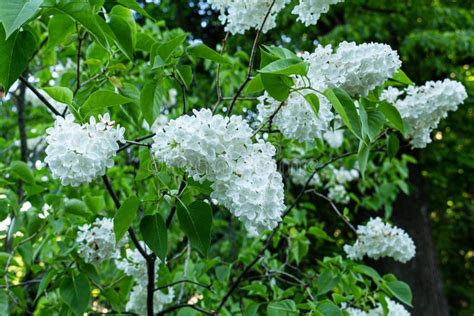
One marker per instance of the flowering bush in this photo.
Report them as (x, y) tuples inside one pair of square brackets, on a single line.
[(131, 212)]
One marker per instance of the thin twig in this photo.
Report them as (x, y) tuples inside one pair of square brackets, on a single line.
[(207, 287), (269, 120), (179, 306), (185, 273), (218, 76), (334, 207), (40, 96), (78, 61), (129, 144), (169, 219)]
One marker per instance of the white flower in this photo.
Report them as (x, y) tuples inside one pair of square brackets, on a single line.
[(134, 265), (79, 153), (343, 175), (238, 16), (334, 138), (423, 107), (357, 69), (300, 176), (137, 302), (309, 11), (377, 240), (219, 149), (338, 194), (97, 241), (394, 309)]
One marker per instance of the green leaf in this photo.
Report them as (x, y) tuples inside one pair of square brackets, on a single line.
[(95, 203), (150, 101), (185, 73), (14, 13), (3, 302), (76, 207), (344, 105), (372, 122), (153, 229), (124, 217), (401, 77), (21, 170), (132, 4), (45, 280), (123, 26), (401, 291), (393, 145), (60, 94), (280, 52), (363, 157), (313, 100), (255, 85), (196, 220), (326, 282), (328, 308), (15, 54), (100, 100), (290, 66), (392, 114), (200, 50), (166, 49), (277, 86), (282, 308), (319, 233), (368, 271), (75, 292), (60, 26)]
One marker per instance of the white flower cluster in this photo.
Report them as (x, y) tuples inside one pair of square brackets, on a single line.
[(244, 174), (300, 176), (377, 239), (238, 16), (423, 107), (338, 194), (79, 153), (334, 138), (134, 265), (309, 11), (296, 119), (97, 241), (137, 301), (357, 69), (394, 309)]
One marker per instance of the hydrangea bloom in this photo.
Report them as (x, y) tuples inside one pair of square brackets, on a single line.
[(220, 149), (423, 107), (377, 239), (238, 16), (97, 241), (394, 309), (309, 11), (134, 265), (357, 69), (296, 119), (138, 299), (79, 153)]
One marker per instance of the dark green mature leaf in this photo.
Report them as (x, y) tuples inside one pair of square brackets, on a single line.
[(153, 229), (372, 122), (255, 85), (200, 50), (290, 66), (76, 207), (277, 86), (150, 101), (166, 49), (45, 280), (14, 55), (344, 105), (60, 26), (14, 13), (21, 170), (75, 292), (328, 308), (392, 114), (185, 73), (123, 26), (3, 302), (401, 291), (124, 217), (366, 270), (393, 145), (326, 282), (196, 220), (363, 157), (313, 100), (102, 99), (60, 94), (282, 308)]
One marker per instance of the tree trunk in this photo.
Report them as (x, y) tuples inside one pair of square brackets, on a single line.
[(423, 272)]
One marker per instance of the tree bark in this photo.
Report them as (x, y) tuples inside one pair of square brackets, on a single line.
[(423, 272)]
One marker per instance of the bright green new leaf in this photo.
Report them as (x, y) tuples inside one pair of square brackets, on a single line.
[(280, 52), (328, 308), (344, 105), (150, 101), (392, 114), (185, 74), (75, 292), (326, 282), (3, 302), (76, 207), (277, 86), (124, 217), (195, 220), (45, 280), (14, 13), (166, 49), (363, 156), (255, 85), (60, 94), (200, 50), (60, 26), (21, 170), (401, 77), (290, 66), (368, 271), (313, 100), (132, 4), (153, 229), (282, 308), (124, 33), (401, 291), (102, 99)]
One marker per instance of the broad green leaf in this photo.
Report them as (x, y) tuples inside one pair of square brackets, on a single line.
[(326, 282), (21, 170), (95, 203), (3, 302), (401, 291), (166, 49), (132, 4), (372, 122), (344, 105), (368, 271), (75, 292), (313, 100), (15, 54), (123, 26), (282, 308), (76, 207), (150, 101), (185, 73), (45, 280), (60, 94), (195, 220), (124, 217), (255, 85), (60, 26), (401, 77), (200, 50), (102, 99), (266, 58), (392, 114), (153, 229), (291, 66), (277, 86), (363, 157), (319, 233), (144, 42), (280, 52), (393, 145), (14, 13), (328, 308)]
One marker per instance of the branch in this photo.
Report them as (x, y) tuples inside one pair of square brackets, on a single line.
[(207, 287), (150, 263), (129, 144), (336, 210), (179, 306), (40, 96), (252, 59), (169, 219), (218, 76)]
